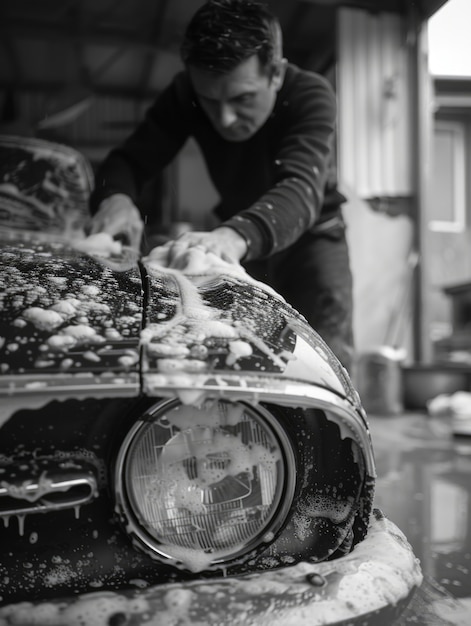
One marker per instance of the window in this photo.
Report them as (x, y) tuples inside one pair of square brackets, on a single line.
[(447, 204)]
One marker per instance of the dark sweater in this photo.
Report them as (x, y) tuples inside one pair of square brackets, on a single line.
[(271, 186)]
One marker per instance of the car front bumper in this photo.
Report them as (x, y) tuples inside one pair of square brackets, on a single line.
[(371, 585)]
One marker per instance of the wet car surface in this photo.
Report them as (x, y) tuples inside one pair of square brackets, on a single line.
[(179, 447)]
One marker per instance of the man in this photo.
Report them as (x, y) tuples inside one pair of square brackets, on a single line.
[(266, 131)]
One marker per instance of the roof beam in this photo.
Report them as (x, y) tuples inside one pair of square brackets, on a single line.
[(57, 87), (425, 8), (396, 6), (100, 36)]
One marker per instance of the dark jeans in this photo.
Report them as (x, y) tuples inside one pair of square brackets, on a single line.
[(314, 276)]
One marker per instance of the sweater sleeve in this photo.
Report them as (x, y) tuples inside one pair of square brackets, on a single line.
[(153, 145), (301, 164)]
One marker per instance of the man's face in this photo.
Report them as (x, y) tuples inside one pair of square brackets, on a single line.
[(237, 103)]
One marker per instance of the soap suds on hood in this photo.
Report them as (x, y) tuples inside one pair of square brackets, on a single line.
[(99, 244), (179, 343)]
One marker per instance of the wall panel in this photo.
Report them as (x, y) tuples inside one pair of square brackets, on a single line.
[(375, 111)]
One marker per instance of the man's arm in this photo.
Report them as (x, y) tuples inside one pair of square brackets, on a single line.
[(122, 175), (290, 208)]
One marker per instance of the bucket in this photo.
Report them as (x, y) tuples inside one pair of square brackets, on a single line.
[(379, 380)]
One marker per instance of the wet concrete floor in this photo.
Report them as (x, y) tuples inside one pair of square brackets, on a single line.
[(424, 486)]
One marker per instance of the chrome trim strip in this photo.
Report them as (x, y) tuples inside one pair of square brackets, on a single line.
[(275, 390), (126, 384), (33, 495)]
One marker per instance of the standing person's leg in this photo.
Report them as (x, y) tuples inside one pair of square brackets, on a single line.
[(316, 279)]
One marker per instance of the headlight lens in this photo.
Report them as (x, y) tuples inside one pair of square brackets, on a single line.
[(216, 480)]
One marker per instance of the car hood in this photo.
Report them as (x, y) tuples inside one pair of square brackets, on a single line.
[(73, 316), (69, 319)]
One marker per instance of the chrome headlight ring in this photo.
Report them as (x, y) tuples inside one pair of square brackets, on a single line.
[(202, 487)]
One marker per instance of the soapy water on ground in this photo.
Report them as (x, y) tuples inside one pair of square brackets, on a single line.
[(434, 606)]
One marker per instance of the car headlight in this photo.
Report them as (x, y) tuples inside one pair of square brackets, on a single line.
[(202, 486)]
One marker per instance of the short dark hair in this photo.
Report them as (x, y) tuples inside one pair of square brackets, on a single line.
[(223, 33)]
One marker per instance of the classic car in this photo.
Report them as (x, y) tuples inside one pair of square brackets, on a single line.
[(176, 446)]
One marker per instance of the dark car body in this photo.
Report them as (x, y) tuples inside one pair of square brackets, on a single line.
[(178, 447)]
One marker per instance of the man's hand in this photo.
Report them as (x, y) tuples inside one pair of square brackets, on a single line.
[(223, 241), (118, 216)]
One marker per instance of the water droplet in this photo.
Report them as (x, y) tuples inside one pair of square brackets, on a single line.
[(316, 580)]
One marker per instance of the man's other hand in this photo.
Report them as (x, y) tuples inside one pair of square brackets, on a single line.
[(120, 218)]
